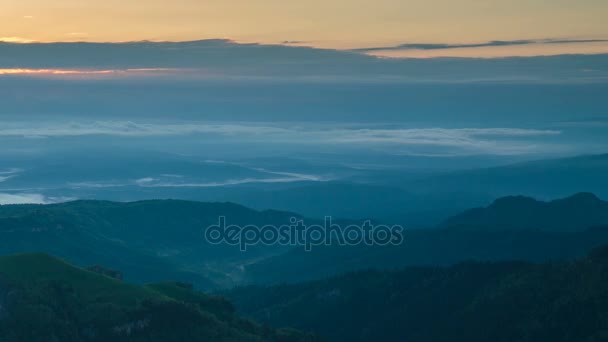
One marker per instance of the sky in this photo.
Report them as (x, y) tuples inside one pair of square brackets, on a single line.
[(257, 83), (336, 24)]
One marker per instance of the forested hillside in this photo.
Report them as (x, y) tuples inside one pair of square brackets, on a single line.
[(45, 299), (506, 301)]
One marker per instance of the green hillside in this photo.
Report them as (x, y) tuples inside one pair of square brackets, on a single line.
[(43, 298), (31, 270)]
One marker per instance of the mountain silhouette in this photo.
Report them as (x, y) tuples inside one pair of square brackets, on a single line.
[(575, 213)]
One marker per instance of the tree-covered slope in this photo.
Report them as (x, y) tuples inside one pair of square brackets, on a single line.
[(508, 301), (45, 299)]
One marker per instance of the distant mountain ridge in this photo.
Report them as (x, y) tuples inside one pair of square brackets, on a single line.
[(550, 178), (146, 240), (154, 240), (575, 213), (511, 228), (427, 200)]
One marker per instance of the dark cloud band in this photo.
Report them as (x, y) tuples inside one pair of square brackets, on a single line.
[(423, 46)]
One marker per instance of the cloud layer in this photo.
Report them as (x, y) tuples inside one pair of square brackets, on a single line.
[(440, 46), (466, 140), (28, 198), (227, 60)]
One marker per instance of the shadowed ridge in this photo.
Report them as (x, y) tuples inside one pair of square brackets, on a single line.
[(581, 198), (44, 298), (578, 212)]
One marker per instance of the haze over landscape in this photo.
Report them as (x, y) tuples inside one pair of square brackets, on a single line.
[(128, 130)]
